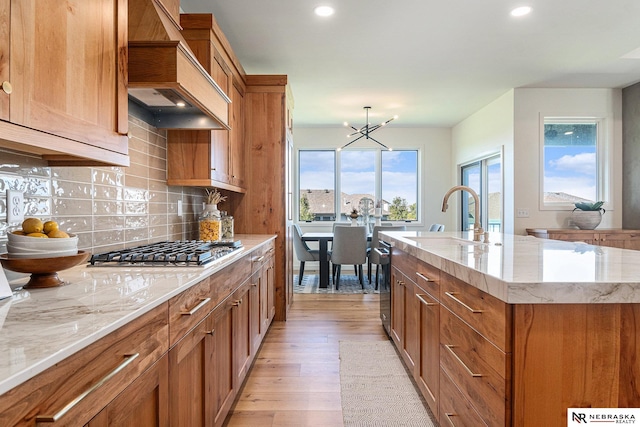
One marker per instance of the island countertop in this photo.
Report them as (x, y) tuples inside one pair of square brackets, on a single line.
[(529, 270), (41, 327)]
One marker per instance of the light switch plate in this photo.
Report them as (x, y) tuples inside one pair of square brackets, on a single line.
[(15, 206)]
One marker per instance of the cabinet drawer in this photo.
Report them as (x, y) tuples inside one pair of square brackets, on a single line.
[(427, 277), (455, 410), (477, 367), (404, 262), (261, 255), (485, 313), (91, 378), (227, 280), (188, 309)]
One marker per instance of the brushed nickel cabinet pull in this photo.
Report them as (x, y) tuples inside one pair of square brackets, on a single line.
[(453, 297), (191, 312), (260, 259), (237, 302), (211, 332), (449, 415), (7, 88), (62, 412), (424, 277), (424, 301), (473, 374)]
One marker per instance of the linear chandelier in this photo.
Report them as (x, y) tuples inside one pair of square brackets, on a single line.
[(366, 131)]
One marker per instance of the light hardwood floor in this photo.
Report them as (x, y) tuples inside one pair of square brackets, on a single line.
[(295, 380)]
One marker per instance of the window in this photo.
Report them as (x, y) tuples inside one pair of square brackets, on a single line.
[(317, 180), (485, 177), (400, 184), (571, 162), (366, 178)]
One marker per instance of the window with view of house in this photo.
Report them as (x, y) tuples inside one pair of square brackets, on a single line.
[(366, 179), (317, 180), (571, 162)]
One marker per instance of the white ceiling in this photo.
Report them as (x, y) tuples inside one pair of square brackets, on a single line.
[(433, 63)]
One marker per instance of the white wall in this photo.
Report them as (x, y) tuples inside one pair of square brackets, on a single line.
[(531, 105), (512, 123), (488, 131)]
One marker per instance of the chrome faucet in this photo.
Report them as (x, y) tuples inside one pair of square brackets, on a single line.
[(477, 227)]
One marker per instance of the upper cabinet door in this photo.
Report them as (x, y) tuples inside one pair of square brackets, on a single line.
[(5, 46), (67, 69)]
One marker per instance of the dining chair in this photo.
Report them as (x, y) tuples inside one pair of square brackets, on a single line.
[(436, 227), (341, 224), (349, 248), (374, 257), (303, 252)]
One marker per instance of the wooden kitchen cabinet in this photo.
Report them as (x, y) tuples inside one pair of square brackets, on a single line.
[(143, 403), (66, 66), (404, 323), (225, 386), (191, 382), (475, 349), (109, 367), (180, 364), (615, 238), (428, 334), (241, 314), (505, 364), (263, 209), (211, 158), (415, 321)]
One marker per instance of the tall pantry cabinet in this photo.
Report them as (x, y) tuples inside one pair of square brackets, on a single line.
[(265, 208)]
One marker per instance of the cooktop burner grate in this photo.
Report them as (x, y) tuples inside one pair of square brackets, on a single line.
[(178, 253)]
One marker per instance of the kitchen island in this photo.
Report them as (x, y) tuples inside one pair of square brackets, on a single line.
[(515, 331), (117, 339)]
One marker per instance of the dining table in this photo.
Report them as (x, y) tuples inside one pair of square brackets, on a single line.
[(323, 239)]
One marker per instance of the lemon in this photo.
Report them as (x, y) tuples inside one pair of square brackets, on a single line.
[(18, 232), (32, 225), (40, 235), (49, 226), (57, 234)]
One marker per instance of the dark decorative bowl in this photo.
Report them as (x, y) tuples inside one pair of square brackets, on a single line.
[(44, 271)]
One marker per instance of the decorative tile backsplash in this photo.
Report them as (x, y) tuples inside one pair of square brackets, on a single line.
[(107, 207)]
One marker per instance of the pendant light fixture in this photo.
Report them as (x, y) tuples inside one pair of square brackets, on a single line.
[(366, 131)]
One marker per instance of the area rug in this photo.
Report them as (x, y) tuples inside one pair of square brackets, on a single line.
[(349, 284), (376, 388)]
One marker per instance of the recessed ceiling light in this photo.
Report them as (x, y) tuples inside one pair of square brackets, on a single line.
[(521, 11), (324, 10)]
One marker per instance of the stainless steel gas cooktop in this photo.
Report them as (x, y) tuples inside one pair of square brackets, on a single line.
[(190, 253)]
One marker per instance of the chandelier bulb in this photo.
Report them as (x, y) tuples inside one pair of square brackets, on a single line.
[(346, 124)]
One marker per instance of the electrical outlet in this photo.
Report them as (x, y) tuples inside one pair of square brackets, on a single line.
[(522, 213), (179, 208), (15, 206)]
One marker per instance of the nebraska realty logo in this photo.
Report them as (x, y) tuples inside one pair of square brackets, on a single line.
[(602, 416)]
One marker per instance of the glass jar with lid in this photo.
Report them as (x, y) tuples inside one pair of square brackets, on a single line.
[(227, 226), (210, 223)]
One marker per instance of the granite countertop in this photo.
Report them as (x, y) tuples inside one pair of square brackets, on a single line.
[(529, 270), (41, 327)]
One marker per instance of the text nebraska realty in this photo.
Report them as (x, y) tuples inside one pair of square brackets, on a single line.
[(610, 418)]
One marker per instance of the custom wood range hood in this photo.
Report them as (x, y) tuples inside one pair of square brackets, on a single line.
[(165, 78)]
